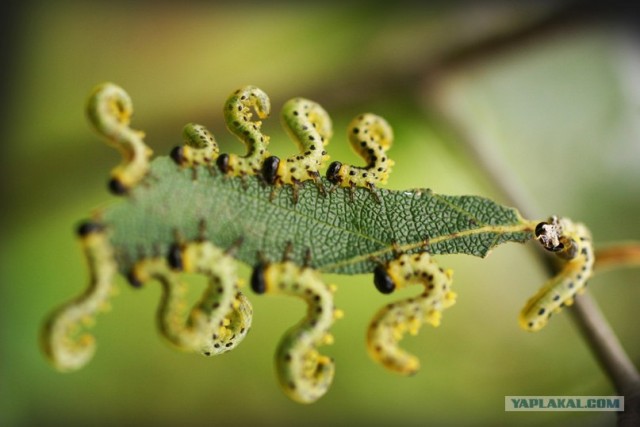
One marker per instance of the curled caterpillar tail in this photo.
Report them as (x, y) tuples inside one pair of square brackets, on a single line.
[(304, 374), (572, 242), (370, 137), (109, 109), (309, 125), (65, 345), (392, 322), (200, 147), (237, 113)]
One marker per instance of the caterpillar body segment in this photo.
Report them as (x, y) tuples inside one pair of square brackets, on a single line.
[(571, 242), (109, 109), (393, 321), (64, 340), (304, 374), (238, 116), (199, 148), (170, 315), (370, 137), (309, 125)]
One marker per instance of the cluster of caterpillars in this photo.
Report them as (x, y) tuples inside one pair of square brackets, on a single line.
[(309, 126), (222, 317)]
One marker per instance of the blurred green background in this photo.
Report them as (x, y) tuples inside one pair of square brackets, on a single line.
[(552, 89)]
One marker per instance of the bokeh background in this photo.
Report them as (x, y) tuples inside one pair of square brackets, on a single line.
[(551, 89)]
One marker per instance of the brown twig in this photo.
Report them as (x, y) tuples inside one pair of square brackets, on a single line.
[(586, 314), (617, 255)]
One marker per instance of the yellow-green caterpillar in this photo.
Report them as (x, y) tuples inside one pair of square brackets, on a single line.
[(200, 147), (393, 321), (237, 113), (370, 137), (222, 317), (66, 345), (304, 374), (110, 109), (572, 242), (309, 126)]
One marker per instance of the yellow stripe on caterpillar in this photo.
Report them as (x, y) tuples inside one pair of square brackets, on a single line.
[(391, 323), (572, 242), (109, 109), (304, 374)]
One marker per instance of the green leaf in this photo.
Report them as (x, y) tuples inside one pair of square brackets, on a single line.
[(344, 233)]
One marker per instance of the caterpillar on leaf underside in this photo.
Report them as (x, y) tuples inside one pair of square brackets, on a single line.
[(287, 221)]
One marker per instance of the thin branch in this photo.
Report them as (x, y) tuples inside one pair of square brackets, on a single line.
[(586, 314)]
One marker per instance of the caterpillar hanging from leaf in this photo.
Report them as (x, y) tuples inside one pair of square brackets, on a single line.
[(391, 323), (110, 109), (304, 374), (203, 211)]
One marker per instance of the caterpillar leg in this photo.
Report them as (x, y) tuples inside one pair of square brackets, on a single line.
[(304, 374), (222, 317), (392, 322), (110, 109), (572, 242), (237, 112), (199, 148), (64, 342), (310, 127), (370, 137)]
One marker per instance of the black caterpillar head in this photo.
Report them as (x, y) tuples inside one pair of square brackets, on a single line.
[(270, 169), (177, 154), (549, 234), (383, 281), (117, 187), (258, 283), (333, 172)]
